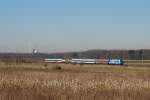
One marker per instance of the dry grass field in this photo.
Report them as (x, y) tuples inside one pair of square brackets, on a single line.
[(73, 82)]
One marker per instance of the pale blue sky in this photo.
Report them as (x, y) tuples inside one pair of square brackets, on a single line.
[(73, 25)]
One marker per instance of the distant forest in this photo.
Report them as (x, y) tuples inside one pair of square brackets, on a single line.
[(91, 54)]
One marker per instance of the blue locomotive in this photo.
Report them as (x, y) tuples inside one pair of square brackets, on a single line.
[(115, 61)]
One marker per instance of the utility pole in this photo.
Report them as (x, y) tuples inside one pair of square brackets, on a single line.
[(142, 56)]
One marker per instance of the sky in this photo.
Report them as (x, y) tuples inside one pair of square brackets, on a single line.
[(73, 25)]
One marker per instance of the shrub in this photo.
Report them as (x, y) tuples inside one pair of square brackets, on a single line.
[(58, 67)]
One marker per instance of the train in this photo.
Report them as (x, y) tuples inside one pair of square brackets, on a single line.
[(115, 62), (87, 61), (55, 60)]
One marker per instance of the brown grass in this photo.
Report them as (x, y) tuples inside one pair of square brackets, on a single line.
[(86, 82)]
